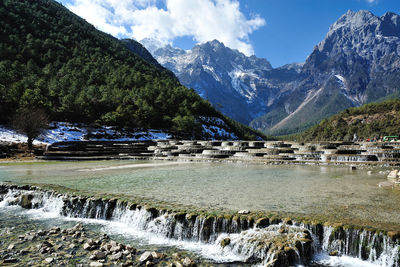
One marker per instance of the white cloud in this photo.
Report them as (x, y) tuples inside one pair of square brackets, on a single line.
[(204, 20), (372, 1)]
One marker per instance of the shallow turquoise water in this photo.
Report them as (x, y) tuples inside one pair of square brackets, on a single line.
[(298, 189)]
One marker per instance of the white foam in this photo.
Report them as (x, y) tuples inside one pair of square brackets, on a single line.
[(343, 261)]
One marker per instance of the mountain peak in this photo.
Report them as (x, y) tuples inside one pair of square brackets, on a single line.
[(353, 20), (152, 44)]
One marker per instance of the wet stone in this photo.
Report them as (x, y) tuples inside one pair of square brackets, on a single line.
[(146, 256), (157, 255), (115, 257), (187, 262), (98, 255), (49, 260), (10, 260)]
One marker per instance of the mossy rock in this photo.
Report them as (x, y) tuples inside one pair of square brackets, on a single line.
[(262, 222), (225, 242), (394, 235), (288, 221), (191, 216), (26, 201), (154, 212), (132, 206), (180, 216), (275, 220)]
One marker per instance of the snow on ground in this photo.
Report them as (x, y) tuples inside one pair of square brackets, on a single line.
[(216, 127), (63, 131)]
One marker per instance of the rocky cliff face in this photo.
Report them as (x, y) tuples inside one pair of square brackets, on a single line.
[(237, 85), (358, 62)]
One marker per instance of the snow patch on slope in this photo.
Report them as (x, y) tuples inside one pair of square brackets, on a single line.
[(237, 76), (355, 99), (216, 128), (64, 131)]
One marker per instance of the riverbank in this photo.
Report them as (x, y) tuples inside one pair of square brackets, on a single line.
[(31, 244)]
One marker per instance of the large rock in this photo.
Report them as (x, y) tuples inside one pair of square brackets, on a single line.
[(146, 256), (26, 201)]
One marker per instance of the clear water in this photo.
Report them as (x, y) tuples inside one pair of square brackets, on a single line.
[(335, 191)]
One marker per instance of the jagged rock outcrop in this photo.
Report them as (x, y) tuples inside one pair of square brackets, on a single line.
[(358, 62), (241, 87)]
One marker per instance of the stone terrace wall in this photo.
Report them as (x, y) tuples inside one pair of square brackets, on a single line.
[(376, 153)]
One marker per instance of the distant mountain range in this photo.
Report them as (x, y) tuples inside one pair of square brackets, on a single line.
[(358, 62)]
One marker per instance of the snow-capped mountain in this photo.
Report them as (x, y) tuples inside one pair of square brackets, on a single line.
[(236, 84), (357, 62)]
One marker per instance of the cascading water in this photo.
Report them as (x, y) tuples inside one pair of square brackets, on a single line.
[(228, 238)]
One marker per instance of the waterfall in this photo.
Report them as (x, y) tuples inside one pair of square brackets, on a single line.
[(370, 246), (262, 242)]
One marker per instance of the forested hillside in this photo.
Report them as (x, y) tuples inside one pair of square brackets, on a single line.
[(368, 121), (55, 60)]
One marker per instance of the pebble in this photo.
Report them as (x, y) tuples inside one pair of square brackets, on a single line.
[(10, 260), (98, 255), (116, 257), (96, 264), (156, 255), (243, 211), (187, 262), (49, 260)]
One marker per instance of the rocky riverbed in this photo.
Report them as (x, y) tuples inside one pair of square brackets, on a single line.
[(76, 246)]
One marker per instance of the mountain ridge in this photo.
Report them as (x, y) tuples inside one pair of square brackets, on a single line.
[(357, 62)]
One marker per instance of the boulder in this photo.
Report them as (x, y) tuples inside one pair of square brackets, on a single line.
[(225, 242), (146, 256), (26, 201)]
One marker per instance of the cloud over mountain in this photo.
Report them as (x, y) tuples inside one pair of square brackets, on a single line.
[(203, 20)]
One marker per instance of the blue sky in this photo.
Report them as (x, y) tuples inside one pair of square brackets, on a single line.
[(282, 31)]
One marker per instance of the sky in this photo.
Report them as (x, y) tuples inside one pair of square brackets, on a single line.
[(282, 31)]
